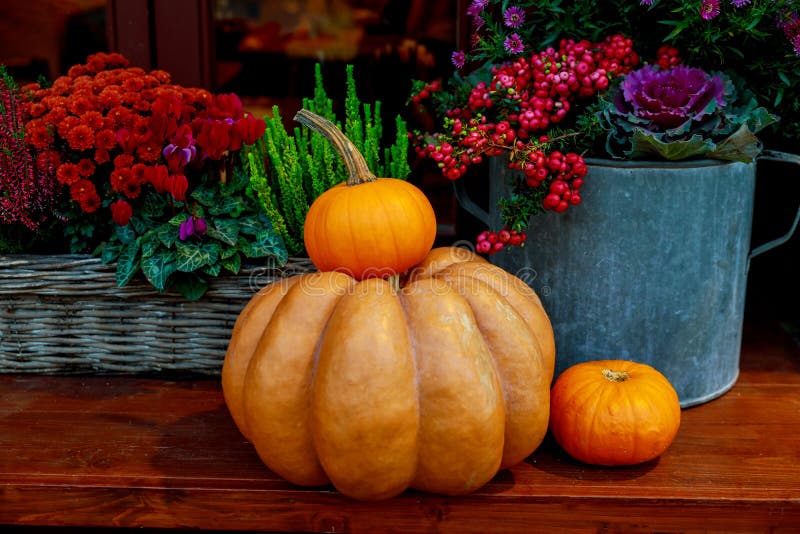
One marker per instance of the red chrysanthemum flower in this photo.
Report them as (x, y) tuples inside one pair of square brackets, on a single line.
[(86, 167), (160, 75), (109, 98), (80, 105), (121, 116), (36, 109), (105, 139), (90, 203), (123, 161), (133, 85), (132, 189), (81, 137), (76, 70), (38, 134), (66, 125), (119, 179), (68, 174), (101, 156), (148, 150), (55, 115), (93, 119)]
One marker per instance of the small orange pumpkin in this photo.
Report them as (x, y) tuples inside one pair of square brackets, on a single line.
[(435, 385), (614, 412), (366, 226)]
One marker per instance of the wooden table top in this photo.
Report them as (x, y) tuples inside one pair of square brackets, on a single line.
[(141, 452)]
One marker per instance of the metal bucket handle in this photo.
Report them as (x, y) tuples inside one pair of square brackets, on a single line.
[(785, 157), (770, 155)]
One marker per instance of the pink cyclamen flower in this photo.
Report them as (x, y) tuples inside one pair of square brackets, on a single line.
[(709, 9), (513, 44), (514, 17), (458, 59)]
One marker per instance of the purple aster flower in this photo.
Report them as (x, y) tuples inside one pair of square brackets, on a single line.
[(709, 9), (791, 29), (478, 22), (514, 17), (513, 44), (646, 3), (740, 3), (458, 59), (476, 7)]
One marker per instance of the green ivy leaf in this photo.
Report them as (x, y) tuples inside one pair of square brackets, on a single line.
[(159, 267), (206, 195), (110, 252), (251, 224), (225, 205), (150, 243), (190, 257), (225, 230), (127, 263), (212, 270), (232, 263), (266, 243), (178, 219), (167, 234), (191, 287), (125, 234)]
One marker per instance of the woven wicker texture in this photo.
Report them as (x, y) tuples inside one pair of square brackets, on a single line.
[(66, 315)]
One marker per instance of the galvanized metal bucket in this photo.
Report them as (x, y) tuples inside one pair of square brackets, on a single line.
[(651, 267)]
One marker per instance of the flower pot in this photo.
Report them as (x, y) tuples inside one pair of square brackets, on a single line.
[(651, 267)]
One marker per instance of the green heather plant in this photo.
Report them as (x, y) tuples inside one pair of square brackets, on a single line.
[(289, 171)]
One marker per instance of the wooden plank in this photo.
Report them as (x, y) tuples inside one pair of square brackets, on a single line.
[(135, 452)]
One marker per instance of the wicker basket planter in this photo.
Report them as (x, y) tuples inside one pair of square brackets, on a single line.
[(66, 315)]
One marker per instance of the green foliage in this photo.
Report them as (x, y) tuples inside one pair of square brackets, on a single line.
[(288, 171), (237, 228)]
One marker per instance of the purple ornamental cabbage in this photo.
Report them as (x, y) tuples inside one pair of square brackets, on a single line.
[(682, 113), (668, 99)]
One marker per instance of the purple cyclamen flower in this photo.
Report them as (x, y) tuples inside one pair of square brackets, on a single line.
[(740, 3), (709, 9), (514, 17), (181, 155), (513, 44), (192, 226), (459, 59)]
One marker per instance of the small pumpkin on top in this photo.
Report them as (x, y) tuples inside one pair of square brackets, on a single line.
[(366, 226)]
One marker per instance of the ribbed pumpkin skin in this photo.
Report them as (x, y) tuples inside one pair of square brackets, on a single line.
[(605, 422), (370, 229), (433, 387)]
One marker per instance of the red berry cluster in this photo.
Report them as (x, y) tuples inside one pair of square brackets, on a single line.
[(425, 91), (668, 57), (491, 242), (564, 173), (521, 100)]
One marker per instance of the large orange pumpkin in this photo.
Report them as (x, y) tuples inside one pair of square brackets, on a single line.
[(614, 412), (434, 385), (366, 226)]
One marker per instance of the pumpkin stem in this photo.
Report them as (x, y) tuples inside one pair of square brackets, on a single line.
[(354, 162), (615, 376)]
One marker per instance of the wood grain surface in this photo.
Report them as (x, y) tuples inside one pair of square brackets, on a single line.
[(155, 453)]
